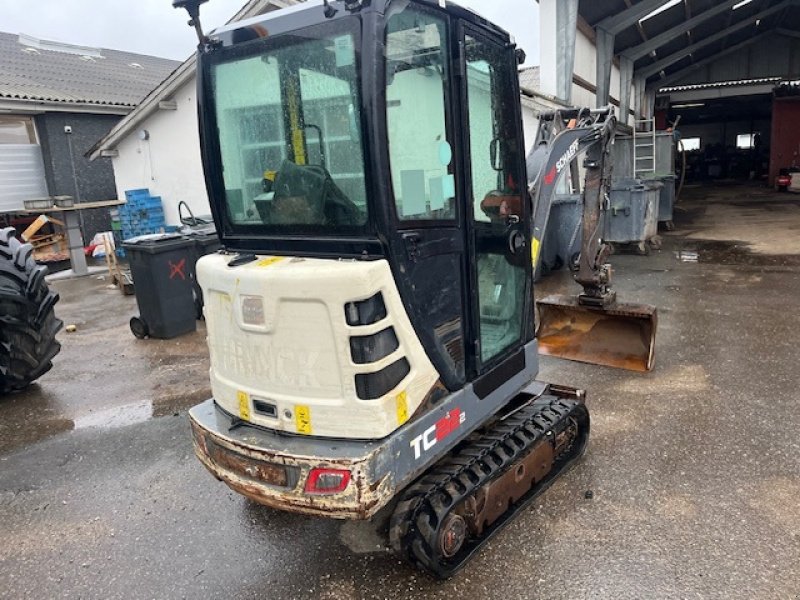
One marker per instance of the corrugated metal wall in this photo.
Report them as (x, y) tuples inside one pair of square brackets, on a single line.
[(778, 56), (21, 175)]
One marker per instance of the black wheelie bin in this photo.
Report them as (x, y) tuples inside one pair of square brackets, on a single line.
[(162, 266)]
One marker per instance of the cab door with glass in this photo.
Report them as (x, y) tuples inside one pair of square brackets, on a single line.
[(496, 207), (426, 212)]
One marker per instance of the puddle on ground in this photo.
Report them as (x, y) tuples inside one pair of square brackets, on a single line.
[(686, 256), (130, 414), (34, 422), (731, 253)]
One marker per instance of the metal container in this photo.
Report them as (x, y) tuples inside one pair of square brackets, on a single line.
[(38, 204), (65, 201), (666, 202), (622, 153), (562, 240), (633, 213)]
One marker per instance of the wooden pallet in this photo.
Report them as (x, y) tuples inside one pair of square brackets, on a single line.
[(47, 247), (121, 278)]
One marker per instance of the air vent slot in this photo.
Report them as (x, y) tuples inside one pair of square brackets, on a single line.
[(372, 348), (365, 312), (371, 386)]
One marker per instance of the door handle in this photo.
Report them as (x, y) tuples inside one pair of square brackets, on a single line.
[(412, 245), (516, 242)]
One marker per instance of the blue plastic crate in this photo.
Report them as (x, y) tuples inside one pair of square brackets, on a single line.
[(131, 194), (150, 203)]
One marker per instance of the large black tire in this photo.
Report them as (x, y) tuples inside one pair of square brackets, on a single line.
[(28, 324)]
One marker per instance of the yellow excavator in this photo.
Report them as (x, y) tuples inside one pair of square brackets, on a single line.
[(370, 317)]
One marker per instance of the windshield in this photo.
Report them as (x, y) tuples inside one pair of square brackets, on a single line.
[(290, 140)]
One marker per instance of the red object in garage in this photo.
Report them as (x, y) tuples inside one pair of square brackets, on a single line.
[(785, 142)]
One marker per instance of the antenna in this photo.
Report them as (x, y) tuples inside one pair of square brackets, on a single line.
[(193, 8)]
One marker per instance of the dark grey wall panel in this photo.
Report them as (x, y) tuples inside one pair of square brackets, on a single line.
[(90, 181)]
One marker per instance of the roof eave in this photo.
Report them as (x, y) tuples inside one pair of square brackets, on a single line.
[(36, 106), (181, 76)]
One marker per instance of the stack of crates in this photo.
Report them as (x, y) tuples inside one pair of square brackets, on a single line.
[(142, 214)]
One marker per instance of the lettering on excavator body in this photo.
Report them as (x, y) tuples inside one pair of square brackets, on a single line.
[(284, 365), (562, 162), (437, 432)]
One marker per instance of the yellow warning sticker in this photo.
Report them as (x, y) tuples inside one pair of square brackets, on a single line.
[(244, 405), (534, 251), (302, 418), (268, 262), (402, 407)]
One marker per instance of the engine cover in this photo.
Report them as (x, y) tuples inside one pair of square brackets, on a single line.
[(313, 346)]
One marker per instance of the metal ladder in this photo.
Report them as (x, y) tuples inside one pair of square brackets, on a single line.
[(644, 148)]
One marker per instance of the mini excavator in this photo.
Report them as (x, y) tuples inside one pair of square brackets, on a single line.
[(370, 318)]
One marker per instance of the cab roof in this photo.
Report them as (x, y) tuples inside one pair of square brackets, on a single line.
[(309, 13)]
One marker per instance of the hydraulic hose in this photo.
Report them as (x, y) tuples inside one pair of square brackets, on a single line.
[(683, 170)]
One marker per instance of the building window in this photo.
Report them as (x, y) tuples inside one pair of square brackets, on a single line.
[(17, 130), (745, 141), (690, 144)]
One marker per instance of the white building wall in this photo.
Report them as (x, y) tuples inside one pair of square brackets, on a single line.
[(168, 163), (530, 125), (585, 58), (585, 67)]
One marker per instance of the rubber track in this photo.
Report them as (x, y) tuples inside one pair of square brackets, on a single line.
[(425, 504), (28, 325)]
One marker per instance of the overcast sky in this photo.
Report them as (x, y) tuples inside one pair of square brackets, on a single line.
[(154, 27)]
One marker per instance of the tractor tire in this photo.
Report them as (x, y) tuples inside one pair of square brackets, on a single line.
[(28, 324)]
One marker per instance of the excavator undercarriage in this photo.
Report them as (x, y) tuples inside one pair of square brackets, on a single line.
[(460, 503)]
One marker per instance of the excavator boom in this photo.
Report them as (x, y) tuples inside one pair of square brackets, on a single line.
[(591, 327)]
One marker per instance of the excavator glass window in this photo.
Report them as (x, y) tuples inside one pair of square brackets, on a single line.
[(288, 116), (496, 183), (416, 81)]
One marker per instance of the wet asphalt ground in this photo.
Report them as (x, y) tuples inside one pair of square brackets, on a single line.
[(694, 468)]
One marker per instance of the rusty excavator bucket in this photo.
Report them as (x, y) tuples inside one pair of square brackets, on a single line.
[(591, 327), (620, 335)]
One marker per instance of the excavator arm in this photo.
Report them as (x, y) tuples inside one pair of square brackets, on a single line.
[(591, 327)]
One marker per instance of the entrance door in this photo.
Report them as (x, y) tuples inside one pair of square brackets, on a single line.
[(496, 207)]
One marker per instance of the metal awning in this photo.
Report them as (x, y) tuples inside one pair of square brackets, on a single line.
[(666, 39)]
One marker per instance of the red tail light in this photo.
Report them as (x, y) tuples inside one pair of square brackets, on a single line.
[(327, 481)]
